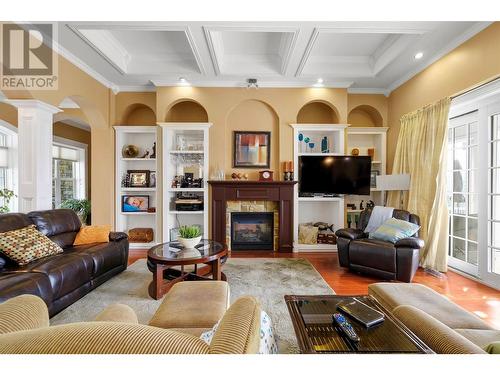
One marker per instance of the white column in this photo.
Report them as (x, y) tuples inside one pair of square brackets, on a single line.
[(35, 119)]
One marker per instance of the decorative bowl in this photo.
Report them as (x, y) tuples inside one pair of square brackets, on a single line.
[(189, 243)]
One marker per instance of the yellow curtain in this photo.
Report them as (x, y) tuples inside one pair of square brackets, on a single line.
[(421, 152)]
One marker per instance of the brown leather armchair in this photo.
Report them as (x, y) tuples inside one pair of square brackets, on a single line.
[(378, 258)]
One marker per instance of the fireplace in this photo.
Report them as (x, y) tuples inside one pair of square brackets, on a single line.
[(252, 230)]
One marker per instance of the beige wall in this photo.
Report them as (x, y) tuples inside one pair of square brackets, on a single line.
[(470, 64), (97, 103)]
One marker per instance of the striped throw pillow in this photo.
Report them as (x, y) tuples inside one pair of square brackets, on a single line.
[(394, 230)]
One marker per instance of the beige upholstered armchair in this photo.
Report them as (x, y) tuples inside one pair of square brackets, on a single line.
[(24, 329)]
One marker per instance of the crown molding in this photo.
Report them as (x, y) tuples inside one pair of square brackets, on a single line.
[(469, 33), (262, 84), (368, 90), (138, 88), (84, 67)]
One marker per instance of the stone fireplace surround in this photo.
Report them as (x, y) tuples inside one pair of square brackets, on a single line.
[(247, 195)]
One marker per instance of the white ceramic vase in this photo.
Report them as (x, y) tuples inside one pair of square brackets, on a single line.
[(189, 243)]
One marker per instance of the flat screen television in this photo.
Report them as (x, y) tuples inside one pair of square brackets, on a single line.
[(334, 175)]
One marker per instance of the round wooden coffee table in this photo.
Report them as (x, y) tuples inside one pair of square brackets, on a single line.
[(164, 257)]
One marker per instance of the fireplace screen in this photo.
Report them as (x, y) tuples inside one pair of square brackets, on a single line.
[(252, 230)]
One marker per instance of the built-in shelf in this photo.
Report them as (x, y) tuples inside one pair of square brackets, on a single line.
[(320, 154), (187, 152), (178, 190), (143, 137), (354, 211), (319, 208), (176, 138), (320, 199), (138, 159), (138, 189), (376, 162), (138, 213)]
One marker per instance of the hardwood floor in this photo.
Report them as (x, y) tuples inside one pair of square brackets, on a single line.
[(471, 295)]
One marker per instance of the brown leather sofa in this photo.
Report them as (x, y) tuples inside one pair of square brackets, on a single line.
[(61, 279), (378, 258)]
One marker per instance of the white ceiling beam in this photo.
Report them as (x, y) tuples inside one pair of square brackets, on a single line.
[(397, 46)]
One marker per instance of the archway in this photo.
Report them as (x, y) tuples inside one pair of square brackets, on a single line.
[(318, 112), (186, 110), (250, 115), (365, 115), (138, 114)]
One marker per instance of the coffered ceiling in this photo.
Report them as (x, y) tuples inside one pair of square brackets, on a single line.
[(372, 57)]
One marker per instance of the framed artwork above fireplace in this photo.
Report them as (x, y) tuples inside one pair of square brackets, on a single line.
[(251, 149)]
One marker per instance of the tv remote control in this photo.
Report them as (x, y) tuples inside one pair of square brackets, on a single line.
[(346, 327)]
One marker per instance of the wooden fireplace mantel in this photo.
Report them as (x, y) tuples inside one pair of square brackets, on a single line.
[(276, 191)]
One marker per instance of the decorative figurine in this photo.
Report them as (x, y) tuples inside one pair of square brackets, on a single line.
[(153, 154), (361, 206)]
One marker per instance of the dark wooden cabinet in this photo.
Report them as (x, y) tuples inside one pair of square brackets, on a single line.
[(276, 191)]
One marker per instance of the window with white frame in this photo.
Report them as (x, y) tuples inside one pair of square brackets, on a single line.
[(68, 172), (8, 168)]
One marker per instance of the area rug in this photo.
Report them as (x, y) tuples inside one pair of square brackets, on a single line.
[(267, 279)]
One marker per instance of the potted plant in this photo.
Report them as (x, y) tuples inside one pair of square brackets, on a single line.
[(189, 236), (80, 206)]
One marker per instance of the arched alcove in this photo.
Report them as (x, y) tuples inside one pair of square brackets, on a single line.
[(318, 112), (365, 115), (187, 111), (250, 115), (138, 114)]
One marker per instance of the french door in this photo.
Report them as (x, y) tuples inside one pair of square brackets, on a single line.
[(473, 187), (462, 192), (490, 260)]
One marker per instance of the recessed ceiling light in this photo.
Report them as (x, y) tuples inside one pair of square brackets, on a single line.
[(419, 55), (319, 83), (183, 81)]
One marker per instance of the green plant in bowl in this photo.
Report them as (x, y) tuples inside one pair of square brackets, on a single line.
[(189, 236)]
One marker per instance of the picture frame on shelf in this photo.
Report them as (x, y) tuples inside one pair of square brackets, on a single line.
[(139, 178), (135, 203), (152, 179), (251, 149), (373, 178)]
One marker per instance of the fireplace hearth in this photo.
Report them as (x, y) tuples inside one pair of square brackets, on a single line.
[(252, 230)]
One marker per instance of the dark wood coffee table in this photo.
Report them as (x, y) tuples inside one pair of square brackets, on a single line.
[(162, 258), (312, 321)]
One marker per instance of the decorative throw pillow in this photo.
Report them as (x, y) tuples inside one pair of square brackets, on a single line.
[(493, 348), (92, 234), (267, 339), (394, 230), (26, 245)]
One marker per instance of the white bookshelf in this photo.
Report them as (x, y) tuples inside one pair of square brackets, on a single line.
[(195, 145), (364, 138), (314, 209), (143, 137)]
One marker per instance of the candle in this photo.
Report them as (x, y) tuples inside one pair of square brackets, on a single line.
[(290, 166), (285, 166)]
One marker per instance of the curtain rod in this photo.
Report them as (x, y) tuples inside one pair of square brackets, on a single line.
[(478, 86)]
